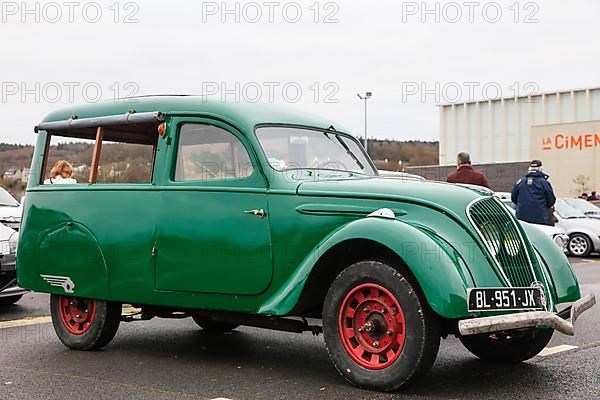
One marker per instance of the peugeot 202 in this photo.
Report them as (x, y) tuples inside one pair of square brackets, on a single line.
[(246, 214)]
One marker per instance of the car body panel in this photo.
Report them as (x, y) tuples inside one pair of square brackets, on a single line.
[(136, 233)]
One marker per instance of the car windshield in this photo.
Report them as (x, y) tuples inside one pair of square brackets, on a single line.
[(564, 210), (7, 200), (289, 148), (583, 205)]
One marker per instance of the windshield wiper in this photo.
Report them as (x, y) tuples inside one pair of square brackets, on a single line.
[(348, 151)]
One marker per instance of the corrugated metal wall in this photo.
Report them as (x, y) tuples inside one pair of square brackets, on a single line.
[(499, 130)]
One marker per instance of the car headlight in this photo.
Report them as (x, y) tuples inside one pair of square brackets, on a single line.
[(13, 243), (560, 241), (497, 241)]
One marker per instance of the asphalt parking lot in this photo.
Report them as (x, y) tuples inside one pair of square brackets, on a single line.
[(166, 359)]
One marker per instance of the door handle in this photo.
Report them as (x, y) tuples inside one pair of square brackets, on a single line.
[(259, 213)]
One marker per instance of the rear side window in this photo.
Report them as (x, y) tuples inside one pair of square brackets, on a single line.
[(97, 154), (117, 163), (209, 153)]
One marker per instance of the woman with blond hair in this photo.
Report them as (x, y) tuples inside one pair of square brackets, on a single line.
[(61, 174)]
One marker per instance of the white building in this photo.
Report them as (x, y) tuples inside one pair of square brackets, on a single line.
[(562, 129)]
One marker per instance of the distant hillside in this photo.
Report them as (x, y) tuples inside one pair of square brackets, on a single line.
[(416, 153)]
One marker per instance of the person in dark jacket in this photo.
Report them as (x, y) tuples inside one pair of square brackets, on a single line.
[(465, 173), (534, 196)]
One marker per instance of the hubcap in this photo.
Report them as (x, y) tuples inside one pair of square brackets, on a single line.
[(76, 314), (371, 326), (578, 245)]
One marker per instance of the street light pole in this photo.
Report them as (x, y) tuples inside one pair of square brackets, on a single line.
[(366, 97)]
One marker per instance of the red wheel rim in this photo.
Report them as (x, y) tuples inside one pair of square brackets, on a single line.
[(371, 326), (76, 314)]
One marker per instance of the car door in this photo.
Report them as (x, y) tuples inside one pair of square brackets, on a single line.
[(213, 230)]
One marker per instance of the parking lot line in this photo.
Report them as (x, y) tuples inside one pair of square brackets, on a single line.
[(556, 349), (25, 322), (46, 319)]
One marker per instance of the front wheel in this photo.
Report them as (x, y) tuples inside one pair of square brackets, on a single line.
[(579, 245), (84, 324), (380, 334), (508, 347)]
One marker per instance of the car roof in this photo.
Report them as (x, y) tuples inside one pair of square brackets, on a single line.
[(242, 114)]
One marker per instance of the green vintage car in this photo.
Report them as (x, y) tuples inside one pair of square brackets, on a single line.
[(254, 215)]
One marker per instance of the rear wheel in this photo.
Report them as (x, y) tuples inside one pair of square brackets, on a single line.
[(379, 333), (508, 347), (579, 245), (213, 327), (6, 301), (84, 324)]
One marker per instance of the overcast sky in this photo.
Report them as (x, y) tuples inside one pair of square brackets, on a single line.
[(310, 55)]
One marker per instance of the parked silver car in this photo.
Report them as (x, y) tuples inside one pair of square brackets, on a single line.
[(10, 210), (589, 209), (584, 232), (9, 291)]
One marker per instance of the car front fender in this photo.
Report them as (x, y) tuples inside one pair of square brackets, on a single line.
[(440, 272), (556, 264)]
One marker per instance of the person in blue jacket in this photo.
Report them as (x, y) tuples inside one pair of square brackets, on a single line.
[(534, 196)]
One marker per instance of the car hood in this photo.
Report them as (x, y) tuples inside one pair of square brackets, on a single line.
[(449, 197), (547, 229), (590, 224)]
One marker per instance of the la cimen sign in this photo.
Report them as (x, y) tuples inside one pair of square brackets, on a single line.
[(561, 141)]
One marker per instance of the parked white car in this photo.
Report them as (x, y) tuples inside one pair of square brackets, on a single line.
[(9, 291), (10, 210), (405, 176), (557, 233)]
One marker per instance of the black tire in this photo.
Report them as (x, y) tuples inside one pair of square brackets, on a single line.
[(419, 330), (511, 347), (213, 327), (92, 334), (6, 301), (579, 245)]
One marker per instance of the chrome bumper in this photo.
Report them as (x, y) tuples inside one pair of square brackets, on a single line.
[(527, 320), (13, 291)]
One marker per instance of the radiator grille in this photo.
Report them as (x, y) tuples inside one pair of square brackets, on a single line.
[(499, 231)]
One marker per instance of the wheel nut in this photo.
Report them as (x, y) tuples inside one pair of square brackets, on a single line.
[(376, 344), (383, 310), (390, 332), (361, 329), (366, 309)]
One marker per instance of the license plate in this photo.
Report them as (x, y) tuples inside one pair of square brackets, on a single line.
[(503, 299)]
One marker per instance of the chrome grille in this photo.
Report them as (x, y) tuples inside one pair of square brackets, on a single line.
[(503, 240)]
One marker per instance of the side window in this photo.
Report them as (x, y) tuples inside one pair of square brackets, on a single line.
[(206, 152)]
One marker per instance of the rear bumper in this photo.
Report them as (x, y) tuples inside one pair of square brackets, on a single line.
[(12, 291), (528, 320)]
